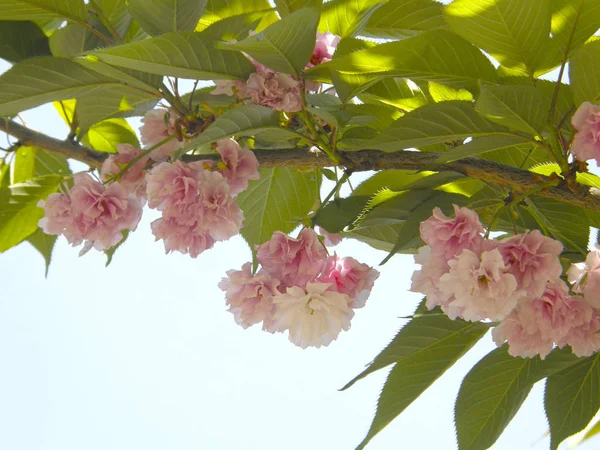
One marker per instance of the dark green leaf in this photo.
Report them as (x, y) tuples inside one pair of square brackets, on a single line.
[(182, 54), (423, 350), (399, 19), (397, 92), (438, 56), (434, 123), (572, 398), (235, 27), (116, 13), (287, 7), (42, 9), (44, 244), (277, 202), (513, 31), (584, 73), (286, 46), (164, 16), (22, 40), (494, 390)]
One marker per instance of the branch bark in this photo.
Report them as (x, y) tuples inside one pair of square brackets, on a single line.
[(517, 180)]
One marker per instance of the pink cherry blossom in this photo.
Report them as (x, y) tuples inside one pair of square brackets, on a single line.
[(177, 236), (480, 285), (427, 280), (240, 165), (349, 277), (154, 130), (533, 259), (314, 317), (173, 189), (275, 90), (293, 261), (449, 237), (324, 48), (219, 213), (329, 239), (584, 339), (585, 278), (537, 322), (586, 143), (250, 297), (57, 218), (91, 212), (133, 180)]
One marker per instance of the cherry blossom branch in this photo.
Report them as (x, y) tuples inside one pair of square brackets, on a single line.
[(517, 180), (68, 149)]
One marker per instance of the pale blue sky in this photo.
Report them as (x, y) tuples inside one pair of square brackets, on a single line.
[(144, 355)]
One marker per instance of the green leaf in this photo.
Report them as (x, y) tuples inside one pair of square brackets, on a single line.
[(423, 350), (286, 46), (514, 32), (235, 27), (164, 16), (399, 19), (478, 147), (593, 431), (222, 9), (437, 55), (44, 244), (287, 7), (104, 136), (19, 214), (277, 202), (434, 123), (519, 108), (584, 73), (398, 92), (68, 41), (572, 398), (117, 14), (31, 162), (442, 93), (42, 9), (579, 18), (182, 54), (243, 121), (347, 17), (40, 80), (111, 251), (494, 390), (22, 40)]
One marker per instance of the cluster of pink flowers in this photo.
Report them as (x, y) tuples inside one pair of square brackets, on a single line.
[(515, 281), (91, 213), (300, 288), (586, 142), (197, 200), (278, 90)]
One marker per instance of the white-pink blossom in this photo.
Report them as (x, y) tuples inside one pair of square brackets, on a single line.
[(158, 124), (427, 279), (241, 165), (533, 260), (293, 261), (325, 46), (134, 179), (227, 87), (480, 285), (57, 218), (584, 339), (250, 297), (349, 277), (314, 317), (585, 278), (448, 237), (586, 142)]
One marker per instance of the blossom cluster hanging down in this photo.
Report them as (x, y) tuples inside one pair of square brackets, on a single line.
[(197, 200), (514, 281), (299, 288), (278, 90)]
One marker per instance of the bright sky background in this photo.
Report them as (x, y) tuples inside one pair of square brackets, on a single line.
[(144, 355)]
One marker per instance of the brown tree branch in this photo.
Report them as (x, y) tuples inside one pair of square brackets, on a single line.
[(67, 149), (517, 180)]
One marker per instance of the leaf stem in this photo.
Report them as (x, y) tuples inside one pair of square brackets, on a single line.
[(104, 20), (175, 102)]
